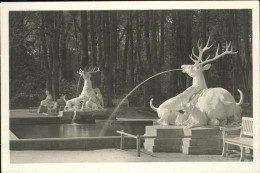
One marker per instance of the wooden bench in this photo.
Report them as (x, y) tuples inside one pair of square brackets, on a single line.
[(125, 102), (245, 140)]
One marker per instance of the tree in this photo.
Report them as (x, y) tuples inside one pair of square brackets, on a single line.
[(54, 19), (131, 56), (93, 40), (45, 54), (65, 28), (84, 25)]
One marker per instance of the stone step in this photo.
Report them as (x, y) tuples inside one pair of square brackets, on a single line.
[(209, 142), (201, 132), (164, 131), (162, 148), (201, 150), (83, 115), (164, 141)]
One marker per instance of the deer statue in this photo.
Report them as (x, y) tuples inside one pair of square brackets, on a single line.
[(169, 110), (88, 96), (217, 103)]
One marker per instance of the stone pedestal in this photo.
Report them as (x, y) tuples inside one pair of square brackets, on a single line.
[(200, 140), (42, 109), (168, 138), (66, 116), (84, 117)]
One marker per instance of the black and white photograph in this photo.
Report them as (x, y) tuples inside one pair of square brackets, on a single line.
[(130, 86)]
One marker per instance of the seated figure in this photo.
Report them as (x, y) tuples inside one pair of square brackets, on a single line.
[(48, 103)]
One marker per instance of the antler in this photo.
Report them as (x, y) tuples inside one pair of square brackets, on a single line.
[(198, 60), (229, 50), (94, 70), (201, 51), (80, 71), (90, 70)]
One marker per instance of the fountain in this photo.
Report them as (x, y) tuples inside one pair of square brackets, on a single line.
[(175, 132)]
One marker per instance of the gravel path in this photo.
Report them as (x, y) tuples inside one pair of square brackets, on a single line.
[(109, 155)]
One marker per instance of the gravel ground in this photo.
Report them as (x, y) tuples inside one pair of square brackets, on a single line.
[(109, 155)]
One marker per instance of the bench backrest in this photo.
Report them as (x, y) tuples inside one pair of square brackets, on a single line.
[(247, 126)]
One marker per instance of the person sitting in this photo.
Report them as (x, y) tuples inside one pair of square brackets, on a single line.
[(46, 104), (48, 101)]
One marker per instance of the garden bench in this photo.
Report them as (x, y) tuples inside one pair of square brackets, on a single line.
[(245, 140), (115, 102)]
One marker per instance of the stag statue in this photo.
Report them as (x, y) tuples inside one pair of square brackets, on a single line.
[(217, 104), (89, 99)]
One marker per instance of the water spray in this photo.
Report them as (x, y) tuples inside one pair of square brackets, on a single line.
[(117, 107)]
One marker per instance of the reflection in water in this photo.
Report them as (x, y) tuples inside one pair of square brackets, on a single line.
[(77, 130)]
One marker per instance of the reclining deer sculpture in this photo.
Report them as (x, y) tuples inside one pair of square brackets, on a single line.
[(216, 103), (90, 99)]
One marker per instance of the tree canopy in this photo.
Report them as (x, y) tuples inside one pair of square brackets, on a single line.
[(47, 48)]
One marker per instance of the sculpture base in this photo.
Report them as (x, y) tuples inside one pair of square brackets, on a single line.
[(82, 116), (42, 109), (200, 140), (66, 116)]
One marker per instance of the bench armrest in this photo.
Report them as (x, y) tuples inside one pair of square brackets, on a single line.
[(226, 129)]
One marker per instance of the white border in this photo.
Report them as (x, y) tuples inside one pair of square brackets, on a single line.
[(126, 167)]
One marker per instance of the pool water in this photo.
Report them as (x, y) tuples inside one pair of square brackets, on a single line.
[(28, 131)]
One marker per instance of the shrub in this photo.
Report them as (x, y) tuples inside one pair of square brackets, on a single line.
[(23, 101)]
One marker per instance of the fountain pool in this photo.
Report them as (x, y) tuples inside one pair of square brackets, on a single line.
[(36, 133)]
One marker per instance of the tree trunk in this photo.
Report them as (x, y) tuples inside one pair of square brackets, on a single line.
[(139, 43), (131, 56), (246, 35), (84, 25), (113, 48), (55, 37), (174, 76), (93, 40), (45, 54), (204, 26), (188, 42), (63, 50), (155, 59), (179, 49), (147, 40), (148, 54), (76, 28), (126, 54)]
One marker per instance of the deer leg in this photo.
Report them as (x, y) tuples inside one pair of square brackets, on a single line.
[(223, 122), (213, 122), (83, 104), (195, 125)]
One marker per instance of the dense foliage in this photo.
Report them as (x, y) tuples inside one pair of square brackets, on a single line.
[(47, 48)]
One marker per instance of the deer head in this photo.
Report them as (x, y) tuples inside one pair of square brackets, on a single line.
[(196, 70), (87, 74)]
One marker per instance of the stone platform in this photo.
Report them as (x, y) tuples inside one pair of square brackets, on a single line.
[(82, 116), (200, 140)]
